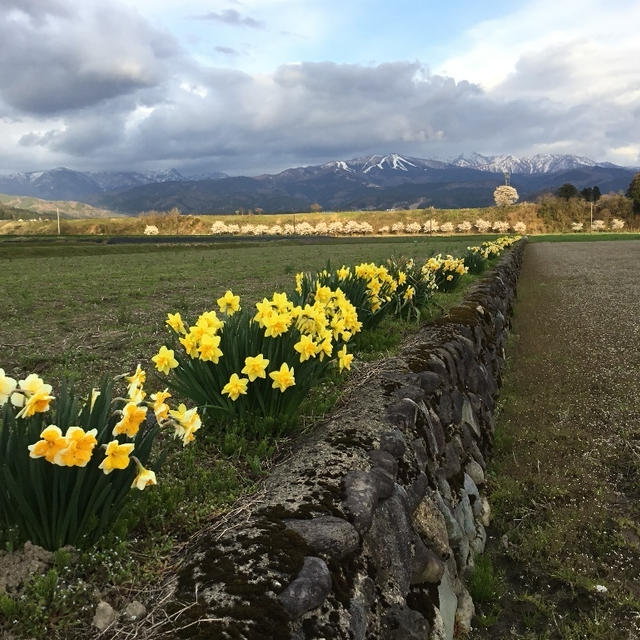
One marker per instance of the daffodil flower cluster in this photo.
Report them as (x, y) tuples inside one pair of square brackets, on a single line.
[(493, 248), (447, 270), (60, 473), (415, 287), (367, 286), (31, 395), (283, 346), (76, 446)]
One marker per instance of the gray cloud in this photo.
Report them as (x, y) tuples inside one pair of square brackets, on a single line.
[(227, 51), (233, 18), (223, 119), (60, 59)]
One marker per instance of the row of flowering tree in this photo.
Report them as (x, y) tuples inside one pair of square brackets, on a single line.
[(615, 224), (68, 462), (353, 227)]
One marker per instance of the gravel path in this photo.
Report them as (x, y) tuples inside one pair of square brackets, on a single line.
[(566, 471)]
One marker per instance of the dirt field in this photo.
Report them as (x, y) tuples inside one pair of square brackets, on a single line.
[(564, 560)]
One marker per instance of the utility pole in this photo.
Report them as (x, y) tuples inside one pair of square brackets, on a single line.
[(58, 217)]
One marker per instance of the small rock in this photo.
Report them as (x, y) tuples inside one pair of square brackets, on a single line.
[(468, 416), (437, 627), (454, 531), (482, 510), (464, 516), (427, 566), (134, 611), (470, 488), (417, 490), (308, 590), (479, 543), (361, 497), (430, 381), (327, 534), (403, 413), (404, 623), (448, 605), (464, 613), (105, 615), (394, 443), (451, 462), (475, 472), (443, 485), (430, 524)]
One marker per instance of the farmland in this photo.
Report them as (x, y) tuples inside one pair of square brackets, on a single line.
[(79, 312)]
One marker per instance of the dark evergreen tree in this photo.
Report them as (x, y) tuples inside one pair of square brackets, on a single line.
[(596, 193), (566, 191), (633, 192), (587, 194)]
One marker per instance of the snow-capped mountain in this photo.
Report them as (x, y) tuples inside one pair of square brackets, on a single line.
[(376, 164), (540, 163), (375, 181)]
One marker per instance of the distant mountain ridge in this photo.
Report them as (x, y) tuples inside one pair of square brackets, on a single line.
[(369, 182), (66, 184)]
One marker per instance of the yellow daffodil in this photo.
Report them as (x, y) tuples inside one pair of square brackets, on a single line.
[(229, 303), (409, 293), (137, 379), (236, 387), (132, 418), (164, 360), (95, 394), (116, 456), (190, 344), (137, 394), (280, 302), (209, 349), (33, 395), (276, 325), (35, 403), (306, 347), (209, 322), (299, 278), (344, 358), (33, 384), (265, 310), (197, 331), (374, 286), (79, 447), (187, 422), (323, 294), (402, 277), (343, 273), (160, 408), (375, 303), (337, 326), (52, 442), (255, 367), (174, 320), (283, 378), (144, 478), (325, 348), (7, 387)]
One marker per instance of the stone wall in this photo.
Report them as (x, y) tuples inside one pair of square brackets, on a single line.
[(370, 528)]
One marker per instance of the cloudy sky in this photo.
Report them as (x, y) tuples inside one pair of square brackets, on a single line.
[(251, 86)]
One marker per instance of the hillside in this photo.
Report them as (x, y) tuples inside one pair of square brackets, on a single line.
[(36, 207)]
